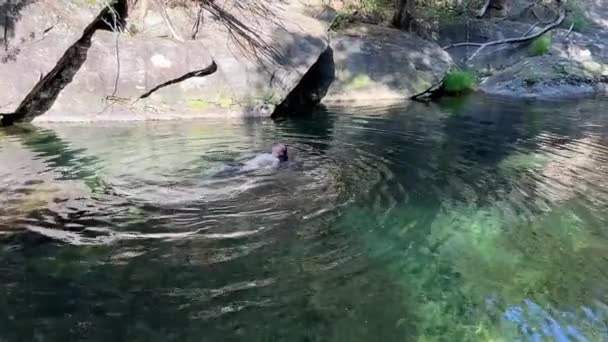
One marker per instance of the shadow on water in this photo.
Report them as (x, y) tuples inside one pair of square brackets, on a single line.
[(468, 220)]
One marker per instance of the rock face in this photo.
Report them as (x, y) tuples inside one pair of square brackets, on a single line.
[(109, 86), (243, 61), (376, 63), (544, 77), (575, 66), (34, 36)]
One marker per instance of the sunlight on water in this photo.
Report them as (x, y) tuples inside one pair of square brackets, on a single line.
[(467, 220)]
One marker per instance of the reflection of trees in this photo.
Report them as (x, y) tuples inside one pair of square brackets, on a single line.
[(63, 158)]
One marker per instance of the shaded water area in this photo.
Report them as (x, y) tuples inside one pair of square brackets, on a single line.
[(472, 219)]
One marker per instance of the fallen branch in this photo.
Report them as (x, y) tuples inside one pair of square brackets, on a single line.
[(531, 28), (483, 9), (430, 92), (462, 44), (523, 39)]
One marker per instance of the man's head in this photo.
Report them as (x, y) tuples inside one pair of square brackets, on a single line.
[(280, 151)]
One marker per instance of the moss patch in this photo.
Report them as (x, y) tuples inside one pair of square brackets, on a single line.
[(198, 104), (360, 81), (459, 82), (225, 102), (540, 45), (575, 17)]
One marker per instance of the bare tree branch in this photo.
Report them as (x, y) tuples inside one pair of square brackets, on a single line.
[(461, 44), (523, 39), (430, 91), (531, 29)]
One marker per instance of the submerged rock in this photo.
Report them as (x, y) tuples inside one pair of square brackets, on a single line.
[(377, 63), (37, 35)]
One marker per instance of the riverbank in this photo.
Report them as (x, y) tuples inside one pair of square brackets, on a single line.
[(90, 62)]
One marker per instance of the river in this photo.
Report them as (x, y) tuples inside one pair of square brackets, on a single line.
[(470, 219)]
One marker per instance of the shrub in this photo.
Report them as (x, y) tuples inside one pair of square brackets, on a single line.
[(459, 82), (540, 45), (578, 22), (341, 21), (575, 17)]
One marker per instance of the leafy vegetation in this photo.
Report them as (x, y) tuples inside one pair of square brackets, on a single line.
[(576, 17), (459, 82), (541, 45), (341, 21), (371, 11)]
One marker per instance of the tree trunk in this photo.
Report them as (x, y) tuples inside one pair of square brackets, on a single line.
[(404, 14)]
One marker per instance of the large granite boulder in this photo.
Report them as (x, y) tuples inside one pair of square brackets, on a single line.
[(377, 63), (108, 86), (241, 62), (35, 35)]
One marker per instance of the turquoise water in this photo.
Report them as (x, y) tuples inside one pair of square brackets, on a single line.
[(468, 220)]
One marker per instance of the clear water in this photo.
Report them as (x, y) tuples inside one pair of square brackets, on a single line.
[(468, 220)]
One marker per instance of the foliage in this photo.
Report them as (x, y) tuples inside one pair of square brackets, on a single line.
[(370, 11), (575, 17), (341, 21), (540, 45), (459, 82)]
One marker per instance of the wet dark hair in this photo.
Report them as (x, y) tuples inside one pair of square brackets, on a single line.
[(280, 151)]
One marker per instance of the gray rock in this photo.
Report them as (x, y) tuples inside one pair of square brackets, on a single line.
[(481, 31), (376, 63), (107, 87), (584, 49), (596, 16), (36, 34), (260, 59), (545, 77), (576, 65)]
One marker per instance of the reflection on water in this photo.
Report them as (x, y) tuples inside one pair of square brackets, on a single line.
[(468, 220)]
